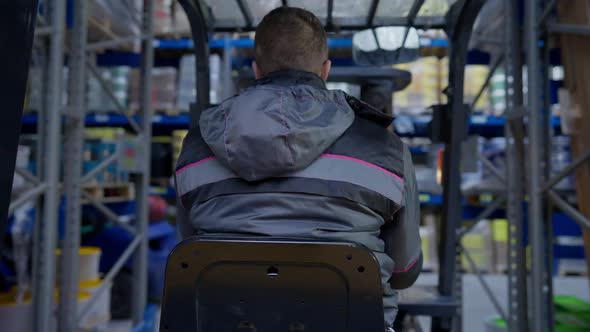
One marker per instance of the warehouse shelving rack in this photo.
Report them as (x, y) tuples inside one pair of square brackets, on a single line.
[(51, 32), (81, 65), (542, 196), (530, 295)]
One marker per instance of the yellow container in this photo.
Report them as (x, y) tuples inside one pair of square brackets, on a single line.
[(16, 316), (13, 315), (89, 263)]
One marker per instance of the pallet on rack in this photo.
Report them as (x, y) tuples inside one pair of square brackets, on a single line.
[(104, 29), (111, 192)]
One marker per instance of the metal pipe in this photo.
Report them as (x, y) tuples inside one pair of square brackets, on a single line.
[(27, 196), (538, 320), (142, 179), (575, 29), (459, 26), (107, 212), (198, 21), (372, 12), (548, 9), (568, 170), (245, 12), (227, 79), (547, 163), (566, 208), (74, 144), (112, 43), (414, 10), (516, 256), (493, 69), (46, 230), (329, 17), (495, 172), (27, 175), (409, 23), (484, 284), (496, 204), (120, 108), (98, 168), (108, 278)]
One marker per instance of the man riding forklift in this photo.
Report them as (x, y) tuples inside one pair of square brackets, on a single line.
[(288, 158)]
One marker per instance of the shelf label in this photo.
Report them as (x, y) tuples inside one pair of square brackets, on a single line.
[(479, 119), (424, 198), (486, 198), (101, 118)]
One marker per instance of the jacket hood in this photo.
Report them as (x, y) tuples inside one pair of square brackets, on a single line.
[(279, 126)]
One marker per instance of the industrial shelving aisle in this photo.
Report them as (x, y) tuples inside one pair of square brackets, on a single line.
[(56, 19)]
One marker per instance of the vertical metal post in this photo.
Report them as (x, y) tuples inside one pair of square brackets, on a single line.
[(198, 18), (517, 273), (74, 143), (45, 232), (460, 24), (143, 178), (458, 287), (536, 219), (227, 80), (548, 220)]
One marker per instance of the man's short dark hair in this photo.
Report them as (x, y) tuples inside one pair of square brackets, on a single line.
[(290, 38)]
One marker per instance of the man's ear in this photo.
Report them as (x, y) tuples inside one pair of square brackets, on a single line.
[(326, 66), (257, 72)]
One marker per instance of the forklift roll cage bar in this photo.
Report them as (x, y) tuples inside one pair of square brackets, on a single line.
[(458, 25)]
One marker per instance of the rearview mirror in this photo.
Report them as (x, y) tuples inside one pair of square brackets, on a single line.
[(385, 46)]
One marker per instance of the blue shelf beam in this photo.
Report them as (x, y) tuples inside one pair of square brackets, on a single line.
[(483, 125)]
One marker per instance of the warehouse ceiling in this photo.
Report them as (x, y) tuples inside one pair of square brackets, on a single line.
[(336, 15)]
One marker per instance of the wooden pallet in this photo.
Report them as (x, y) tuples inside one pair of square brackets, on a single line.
[(111, 193)]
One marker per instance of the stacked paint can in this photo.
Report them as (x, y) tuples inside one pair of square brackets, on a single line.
[(97, 318), (16, 313)]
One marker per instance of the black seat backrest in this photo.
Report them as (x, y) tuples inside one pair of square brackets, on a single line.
[(223, 285)]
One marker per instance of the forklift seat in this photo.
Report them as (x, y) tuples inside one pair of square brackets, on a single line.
[(270, 285)]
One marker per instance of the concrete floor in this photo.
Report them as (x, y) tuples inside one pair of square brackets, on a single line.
[(477, 307)]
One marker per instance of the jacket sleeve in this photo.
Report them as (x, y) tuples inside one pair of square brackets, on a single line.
[(402, 234)]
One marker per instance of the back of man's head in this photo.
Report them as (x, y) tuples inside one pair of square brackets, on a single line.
[(290, 38)]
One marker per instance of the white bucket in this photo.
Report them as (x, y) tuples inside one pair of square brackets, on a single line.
[(89, 263), (100, 313), (17, 317)]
